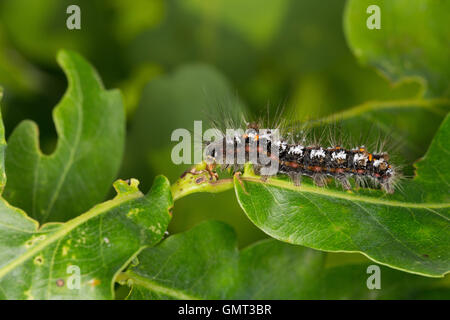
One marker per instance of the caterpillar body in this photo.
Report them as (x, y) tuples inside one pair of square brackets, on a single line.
[(296, 160)]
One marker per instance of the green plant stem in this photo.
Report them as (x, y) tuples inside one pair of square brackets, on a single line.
[(210, 186), (198, 179)]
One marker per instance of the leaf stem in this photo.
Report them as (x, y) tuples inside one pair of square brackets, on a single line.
[(198, 179), (132, 278)]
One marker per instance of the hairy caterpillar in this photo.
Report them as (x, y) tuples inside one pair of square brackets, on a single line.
[(296, 159)]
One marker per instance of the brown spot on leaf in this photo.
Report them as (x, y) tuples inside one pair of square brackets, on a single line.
[(39, 260), (199, 180)]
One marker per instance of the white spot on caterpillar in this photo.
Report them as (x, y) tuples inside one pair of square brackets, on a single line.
[(358, 156), (341, 155), (296, 150), (317, 153), (377, 162)]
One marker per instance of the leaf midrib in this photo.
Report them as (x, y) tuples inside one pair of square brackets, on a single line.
[(155, 287), (74, 147), (348, 197), (68, 227)]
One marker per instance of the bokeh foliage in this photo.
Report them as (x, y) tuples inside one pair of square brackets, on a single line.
[(173, 59), (291, 53)]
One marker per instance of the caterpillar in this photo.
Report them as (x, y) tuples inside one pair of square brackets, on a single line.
[(295, 160)]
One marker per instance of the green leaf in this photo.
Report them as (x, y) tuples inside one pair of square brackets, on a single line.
[(411, 43), (349, 282), (100, 243), (90, 124), (213, 268), (204, 263), (406, 231), (36, 262), (2, 150)]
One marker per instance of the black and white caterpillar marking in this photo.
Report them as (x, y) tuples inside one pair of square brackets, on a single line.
[(296, 160)]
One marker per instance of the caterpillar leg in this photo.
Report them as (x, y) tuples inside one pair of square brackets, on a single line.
[(343, 181), (387, 187), (320, 180), (360, 182), (213, 175), (192, 171), (296, 178)]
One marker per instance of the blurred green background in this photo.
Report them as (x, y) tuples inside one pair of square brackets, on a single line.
[(175, 59)]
